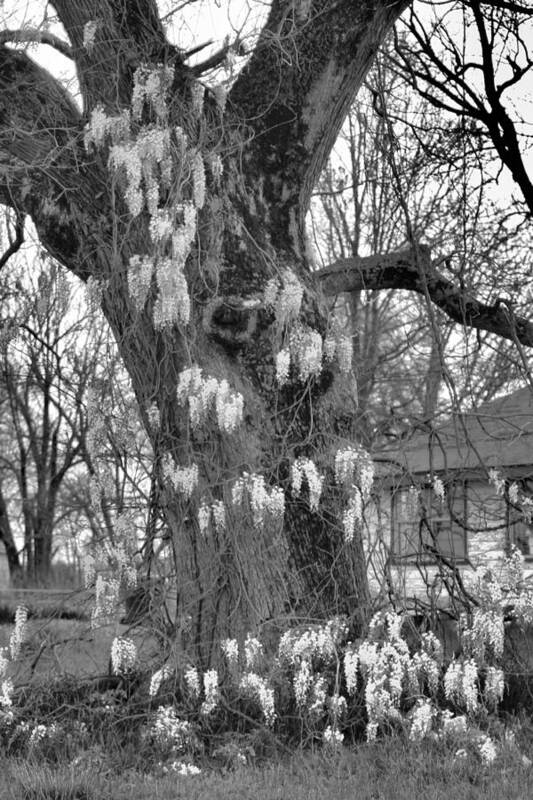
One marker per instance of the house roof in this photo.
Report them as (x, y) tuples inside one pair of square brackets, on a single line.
[(496, 434)]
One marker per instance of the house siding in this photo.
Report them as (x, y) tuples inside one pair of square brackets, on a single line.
[(487, 543)]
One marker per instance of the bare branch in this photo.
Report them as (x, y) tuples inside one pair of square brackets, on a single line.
[(413, 271), (16, 243), (36, 36)]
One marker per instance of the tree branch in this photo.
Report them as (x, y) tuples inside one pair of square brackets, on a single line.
[(16, 243), (295, 91), (127, 34), (36, 36), (43, 170), (414, 272)]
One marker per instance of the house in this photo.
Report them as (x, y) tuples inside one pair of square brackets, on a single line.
[(463, 489)]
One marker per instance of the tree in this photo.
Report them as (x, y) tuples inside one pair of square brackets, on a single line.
[(184, 207), (398, 154)]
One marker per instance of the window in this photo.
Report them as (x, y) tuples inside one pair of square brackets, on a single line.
[(420, 527), (520, 530), (521, 534)]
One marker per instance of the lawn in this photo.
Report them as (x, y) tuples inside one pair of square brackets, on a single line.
[(388, 770)]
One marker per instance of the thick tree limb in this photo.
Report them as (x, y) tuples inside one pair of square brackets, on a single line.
[(35, 36), (42, 169), (294, 93), (415, 273), (128, 33)]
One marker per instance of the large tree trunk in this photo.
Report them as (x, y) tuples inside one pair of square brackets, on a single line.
[(280, 122)]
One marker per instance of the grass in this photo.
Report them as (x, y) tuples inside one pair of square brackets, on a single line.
[(387, 770)]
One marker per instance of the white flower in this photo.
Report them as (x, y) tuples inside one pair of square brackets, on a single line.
[(183, 479), (306, 347), (344, 348), (204, 517), (216, 167), (283, 364), (271, 292), (253, 650), (496, 479), (157, 678), (198, 176), (19, 631), (289, 299), (187, 769), (230, 648), (89, 32), (302, 682), (123, 655), (453, 725), (254, 685), (197, 94), (487, 749), (304, 466), (469, 685), (218, 511), (211, 692), (438, 488), (192, 681), (333, 737), (494, 686), (421, 720), (351, 661)]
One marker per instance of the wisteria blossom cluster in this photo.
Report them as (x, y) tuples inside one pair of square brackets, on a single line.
[(9, 654), (204, 394), (354, 470), (212, 513), (264, 501), (306, 468), (183, 479), (516, 497), (158, 170), (170, 733), (339, 346), (211, 691), (18, 633), (286, 299), (123, 655)]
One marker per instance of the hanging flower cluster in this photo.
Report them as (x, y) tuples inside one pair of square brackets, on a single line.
[(123, 655), (263, 500), (150, 87), (157, 679), (317, 643), (159, 171), (19, 631), (354, 469), (304, 467), (211, 691), (285, 299), (183, 479), (257, 688), (339, 346), (215, 513), (203, 393)]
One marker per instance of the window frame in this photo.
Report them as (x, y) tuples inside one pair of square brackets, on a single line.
[(422, 557)]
